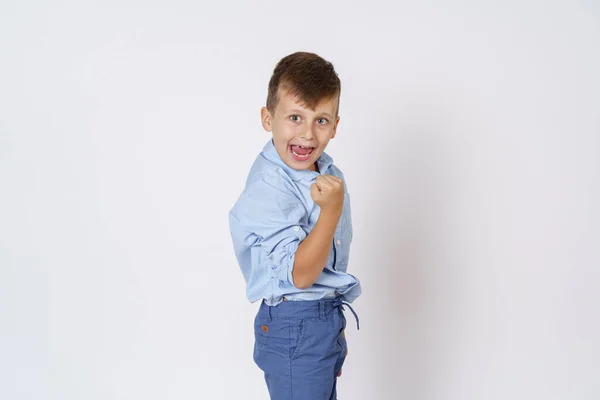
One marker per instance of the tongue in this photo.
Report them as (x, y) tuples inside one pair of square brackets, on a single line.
[(301, 150)]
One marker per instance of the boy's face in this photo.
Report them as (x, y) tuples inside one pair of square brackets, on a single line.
[(300, 134)]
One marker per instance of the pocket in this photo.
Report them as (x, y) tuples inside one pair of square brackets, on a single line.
[(259, 326), (341, 340), (343, 319), (280, 336)]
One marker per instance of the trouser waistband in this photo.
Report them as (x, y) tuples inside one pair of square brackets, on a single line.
[(307, 309)]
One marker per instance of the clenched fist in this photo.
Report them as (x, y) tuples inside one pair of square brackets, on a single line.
[(328, 193)]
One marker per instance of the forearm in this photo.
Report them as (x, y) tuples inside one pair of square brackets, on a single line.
[(311, 255)]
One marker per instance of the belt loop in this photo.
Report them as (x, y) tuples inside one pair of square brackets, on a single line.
[(322, 310), (269, 317)]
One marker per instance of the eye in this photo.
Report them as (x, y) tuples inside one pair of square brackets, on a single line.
[(322, 121), (295, 118)]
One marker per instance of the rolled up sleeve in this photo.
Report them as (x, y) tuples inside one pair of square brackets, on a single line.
[(270, 213)]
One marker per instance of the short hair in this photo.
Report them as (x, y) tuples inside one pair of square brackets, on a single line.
[(306, 76)]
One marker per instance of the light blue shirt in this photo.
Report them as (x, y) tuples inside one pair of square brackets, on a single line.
[(269, 220)]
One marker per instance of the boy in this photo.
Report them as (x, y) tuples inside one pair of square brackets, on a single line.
[(291, 231)]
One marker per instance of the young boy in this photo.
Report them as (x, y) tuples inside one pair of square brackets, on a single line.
[(291, 229)]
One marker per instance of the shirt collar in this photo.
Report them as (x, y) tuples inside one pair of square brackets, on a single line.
[(324, 162)]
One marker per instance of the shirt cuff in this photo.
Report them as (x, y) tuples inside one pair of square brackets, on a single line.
[(284, 270)]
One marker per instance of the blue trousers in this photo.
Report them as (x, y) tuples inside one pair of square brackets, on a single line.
[(301, 348)]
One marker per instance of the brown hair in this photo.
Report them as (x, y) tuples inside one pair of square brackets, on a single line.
[(306, 76)]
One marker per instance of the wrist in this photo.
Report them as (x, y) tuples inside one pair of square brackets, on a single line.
[(331, 214)]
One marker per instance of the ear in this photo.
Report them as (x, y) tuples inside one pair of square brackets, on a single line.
[(337, 121), (265, 119)]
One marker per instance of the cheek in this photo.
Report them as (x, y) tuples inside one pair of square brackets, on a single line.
[(325, 133), (287, 130), (280, 131)]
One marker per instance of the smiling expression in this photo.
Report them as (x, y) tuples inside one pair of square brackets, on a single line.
[(301, 134)]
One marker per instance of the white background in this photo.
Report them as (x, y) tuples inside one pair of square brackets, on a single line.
[(469, 137)]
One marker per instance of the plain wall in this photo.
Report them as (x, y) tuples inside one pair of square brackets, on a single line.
[(469, 137)]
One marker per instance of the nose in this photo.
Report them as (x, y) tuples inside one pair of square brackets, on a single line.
[(308, 133)]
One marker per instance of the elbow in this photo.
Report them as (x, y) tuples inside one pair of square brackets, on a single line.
[(300, 281), (302, 285)]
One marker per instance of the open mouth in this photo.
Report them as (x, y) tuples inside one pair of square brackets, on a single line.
[(301, 153)]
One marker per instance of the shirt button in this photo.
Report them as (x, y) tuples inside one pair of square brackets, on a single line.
[(296, 228), (338, 242)]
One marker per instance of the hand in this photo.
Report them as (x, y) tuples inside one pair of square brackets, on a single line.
[(328, 193)]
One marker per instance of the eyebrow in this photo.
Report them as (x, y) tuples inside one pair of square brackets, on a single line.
[(300, 112)]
